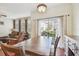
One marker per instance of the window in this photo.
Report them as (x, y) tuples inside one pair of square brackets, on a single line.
[(22, 25)]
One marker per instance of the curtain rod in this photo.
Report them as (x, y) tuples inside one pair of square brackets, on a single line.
[(53, 17)]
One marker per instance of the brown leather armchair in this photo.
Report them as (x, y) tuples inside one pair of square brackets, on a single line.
[(20, 38), (13, 34)]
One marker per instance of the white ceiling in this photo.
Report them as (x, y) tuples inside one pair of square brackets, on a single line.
[(14, 10)]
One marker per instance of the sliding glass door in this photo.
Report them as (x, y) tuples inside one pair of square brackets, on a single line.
[(50, 27), (46, 27)]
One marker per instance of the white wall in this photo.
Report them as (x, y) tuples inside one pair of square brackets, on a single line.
[(58, 10), (76, 19), (6, 28)]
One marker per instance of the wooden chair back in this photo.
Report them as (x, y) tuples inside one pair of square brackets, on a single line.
[(19, 35), (56, 44), (21, 38), (10, 50)]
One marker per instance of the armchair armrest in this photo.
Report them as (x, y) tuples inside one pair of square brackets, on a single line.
[(12, 41)]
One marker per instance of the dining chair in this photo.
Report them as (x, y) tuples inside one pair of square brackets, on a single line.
[(70, 53), (54, 47), (56, 44), (10, 50), (21, 37), (27, 36)]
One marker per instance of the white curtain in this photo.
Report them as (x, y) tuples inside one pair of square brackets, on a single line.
[(63, 30)]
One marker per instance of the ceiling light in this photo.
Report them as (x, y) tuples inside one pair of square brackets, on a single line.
[(42, 8)]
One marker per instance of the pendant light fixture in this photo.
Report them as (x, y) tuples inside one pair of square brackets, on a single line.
[(41, 8)]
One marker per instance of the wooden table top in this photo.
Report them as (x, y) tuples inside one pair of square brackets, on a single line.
[(40, 45)]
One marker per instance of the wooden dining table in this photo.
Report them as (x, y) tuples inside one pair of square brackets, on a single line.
[(39, 45)]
